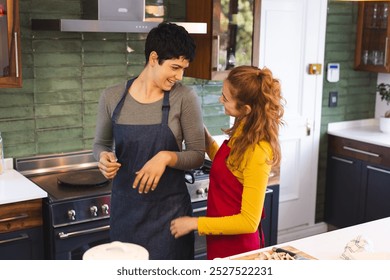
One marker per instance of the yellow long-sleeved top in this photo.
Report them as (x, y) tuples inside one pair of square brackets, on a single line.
[(253, 173)]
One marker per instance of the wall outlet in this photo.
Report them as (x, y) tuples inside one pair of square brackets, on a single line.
[(333, 98)]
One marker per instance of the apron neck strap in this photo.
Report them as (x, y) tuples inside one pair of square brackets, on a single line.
[(165, 108)]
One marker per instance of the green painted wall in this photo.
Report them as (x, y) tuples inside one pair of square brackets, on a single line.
[(64, 73)]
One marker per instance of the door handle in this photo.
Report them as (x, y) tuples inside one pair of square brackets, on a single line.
[(308, 128)]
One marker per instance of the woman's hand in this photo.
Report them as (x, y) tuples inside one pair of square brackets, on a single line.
[(149, 175), (108, 164), (183, 225)]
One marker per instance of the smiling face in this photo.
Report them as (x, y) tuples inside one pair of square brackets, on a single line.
[(230, 103), (169, 72)]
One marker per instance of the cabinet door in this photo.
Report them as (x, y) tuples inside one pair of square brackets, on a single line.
[(372, 40), (343, 189), (10, 54), (270, 223), (377, 204), (229, 38), (22, 245)]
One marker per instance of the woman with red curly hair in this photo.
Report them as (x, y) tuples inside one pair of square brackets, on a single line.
[(241, 166)]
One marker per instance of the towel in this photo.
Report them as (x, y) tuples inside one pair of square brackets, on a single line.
[(359, 244)]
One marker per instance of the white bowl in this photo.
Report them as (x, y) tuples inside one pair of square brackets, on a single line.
[(117, 251)]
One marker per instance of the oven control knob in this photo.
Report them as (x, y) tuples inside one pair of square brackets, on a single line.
[(200, 191), (93, 210), (72, 215), (105, 209)]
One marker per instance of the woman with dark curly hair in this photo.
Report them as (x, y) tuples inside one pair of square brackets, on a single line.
[(241, 166)]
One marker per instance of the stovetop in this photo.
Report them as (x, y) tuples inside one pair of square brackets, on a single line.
[(46, 170), (59, 192)]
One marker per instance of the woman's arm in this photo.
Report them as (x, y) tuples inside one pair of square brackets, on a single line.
[(191, 126)]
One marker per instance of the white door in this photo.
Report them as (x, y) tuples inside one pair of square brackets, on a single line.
[(292, 36)]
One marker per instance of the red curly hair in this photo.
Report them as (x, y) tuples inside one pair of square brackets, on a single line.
[(257, 88)]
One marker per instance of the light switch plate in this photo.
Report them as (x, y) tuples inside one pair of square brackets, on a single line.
[(333, 98)]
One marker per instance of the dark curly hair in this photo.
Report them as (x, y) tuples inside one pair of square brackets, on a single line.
[(169, 41)]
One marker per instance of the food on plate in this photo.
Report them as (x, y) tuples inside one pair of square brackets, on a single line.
[(273, 256)]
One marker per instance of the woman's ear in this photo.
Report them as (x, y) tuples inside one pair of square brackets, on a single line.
[(153, 58), (247, 110)]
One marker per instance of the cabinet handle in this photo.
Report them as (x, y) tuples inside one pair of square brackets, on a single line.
[(360, 151), (63, 235), (21, 216), (343, 160), (215, 54), (385, 59), (378, 169), (16, 55), (21, 237)]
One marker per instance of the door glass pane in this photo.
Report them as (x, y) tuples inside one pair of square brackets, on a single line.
[(233, 30), (374, 39)]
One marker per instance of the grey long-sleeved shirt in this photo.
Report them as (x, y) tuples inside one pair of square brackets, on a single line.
[(185, 121)]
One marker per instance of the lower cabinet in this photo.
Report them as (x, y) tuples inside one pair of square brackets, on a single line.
[(357, 182), (377, 193), (22, 245), (270, 223), (21, 231)]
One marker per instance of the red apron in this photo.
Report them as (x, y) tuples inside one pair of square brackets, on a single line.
[(224, 199)]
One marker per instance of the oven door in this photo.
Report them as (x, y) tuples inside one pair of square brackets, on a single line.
[(71, 242), (199, 209)]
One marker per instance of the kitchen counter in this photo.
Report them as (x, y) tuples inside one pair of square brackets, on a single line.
[(330, 245), (360, 130), (14, 187)]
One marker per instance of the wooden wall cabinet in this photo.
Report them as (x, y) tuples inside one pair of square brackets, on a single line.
[(229, 38), (10, 48), (357, 182), (372, 51)]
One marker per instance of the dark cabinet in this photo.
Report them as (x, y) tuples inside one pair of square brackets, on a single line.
[(372, 38), (22, 245), (10, 51), (377, 193), (270, 223), (21, 233), (342, 191), (357, 182)]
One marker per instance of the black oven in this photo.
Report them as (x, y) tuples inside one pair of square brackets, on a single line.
[(76, 212)]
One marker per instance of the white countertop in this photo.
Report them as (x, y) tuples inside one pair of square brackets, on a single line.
[(330, 245), (14, 187), (360, 130)]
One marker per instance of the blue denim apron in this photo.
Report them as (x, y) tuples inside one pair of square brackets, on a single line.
[(144, 219)]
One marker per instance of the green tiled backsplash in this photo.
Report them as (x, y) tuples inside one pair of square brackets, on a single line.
[(356, 89), (63, 76)]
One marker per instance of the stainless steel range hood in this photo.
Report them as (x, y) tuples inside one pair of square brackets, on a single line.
[(113, 16)]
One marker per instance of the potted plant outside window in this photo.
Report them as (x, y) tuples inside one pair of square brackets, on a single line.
[(384, 122)]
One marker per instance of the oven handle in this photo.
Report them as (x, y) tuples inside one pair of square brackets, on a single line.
[(63, 235), (200, 209)]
